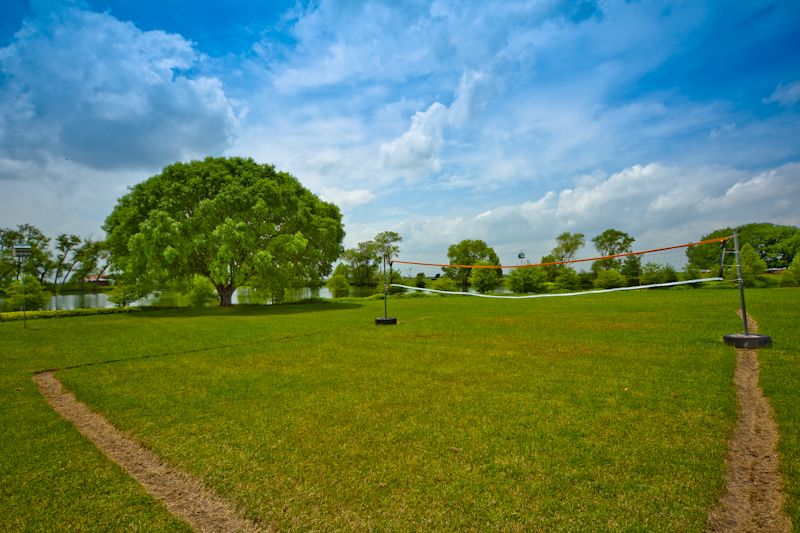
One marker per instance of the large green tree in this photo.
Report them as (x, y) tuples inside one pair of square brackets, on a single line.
[(470, 252), (776, 245), (231, 220)]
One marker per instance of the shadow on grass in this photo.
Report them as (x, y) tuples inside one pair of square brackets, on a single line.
[(249, 310)]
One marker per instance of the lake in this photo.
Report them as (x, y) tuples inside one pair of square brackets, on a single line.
[(243, 295)]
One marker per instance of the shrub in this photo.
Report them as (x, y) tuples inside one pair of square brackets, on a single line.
[(526, 280), (27, 295), (445, 284), (62, 313), (339, 286), (485, 279), (202, 292), (610, 279), (567, 279), (419, 281)]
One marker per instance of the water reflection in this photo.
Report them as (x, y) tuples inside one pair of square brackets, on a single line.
[(243, 295)]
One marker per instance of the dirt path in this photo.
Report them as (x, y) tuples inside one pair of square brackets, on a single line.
[(184, 496), (753, 499)]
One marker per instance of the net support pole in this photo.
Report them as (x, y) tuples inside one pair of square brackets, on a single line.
[(744, 340), (385, 320)]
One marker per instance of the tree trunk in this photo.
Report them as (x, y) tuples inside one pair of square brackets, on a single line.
[(225, 293)]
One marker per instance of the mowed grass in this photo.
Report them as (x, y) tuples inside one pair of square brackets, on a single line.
[(778, 315), (596, 412)]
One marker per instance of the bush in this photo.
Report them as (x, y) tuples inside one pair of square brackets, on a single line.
[(526, 280), (567, 279), (419, 281), (62, 313), (610, 279), (27, 295), (202, 292), (339, 286), (445, 284), (485, 279)]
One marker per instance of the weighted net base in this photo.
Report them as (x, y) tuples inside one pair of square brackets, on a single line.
[(748, 342), (385, 321)]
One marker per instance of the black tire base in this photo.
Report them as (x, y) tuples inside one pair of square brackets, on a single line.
[(748, 342), (385, 321)]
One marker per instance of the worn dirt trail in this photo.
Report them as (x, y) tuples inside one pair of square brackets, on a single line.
[(185, 497), (753, 498)]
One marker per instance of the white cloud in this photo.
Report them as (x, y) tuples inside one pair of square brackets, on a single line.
[(346, 199), (786, 96), (659, 205), (88, 87), (417, 150)]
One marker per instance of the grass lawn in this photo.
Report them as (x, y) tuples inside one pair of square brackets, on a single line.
[(593, 412), (778, 315)]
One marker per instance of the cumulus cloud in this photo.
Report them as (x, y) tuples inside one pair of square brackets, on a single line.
[(346, 199), (657, 204), (786, 96), (90, 88), (416, 152)]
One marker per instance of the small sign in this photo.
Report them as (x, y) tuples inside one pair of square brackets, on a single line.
[(22, 251), (521, 255)]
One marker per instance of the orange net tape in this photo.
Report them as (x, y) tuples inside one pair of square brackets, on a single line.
[(626, 254)]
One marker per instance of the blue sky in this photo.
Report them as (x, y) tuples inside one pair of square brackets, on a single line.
[(505, 121)]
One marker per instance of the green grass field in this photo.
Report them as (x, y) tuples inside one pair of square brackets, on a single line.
[(587, 413)]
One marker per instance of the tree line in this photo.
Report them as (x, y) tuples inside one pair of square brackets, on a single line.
[(208, 227), (53, 265)]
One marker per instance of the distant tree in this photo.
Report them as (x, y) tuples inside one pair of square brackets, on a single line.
[(631, 269), (527, 280), (611, 242), (230, 220), (776, 245), (40, 264), (551, 270), (338, 284), (469, 252), (28, 295), (752, 267), (567, 279), (363, 263), (386, 243), (485, 279), (791, 277), (420, 281), (567, 245), (66, 257)]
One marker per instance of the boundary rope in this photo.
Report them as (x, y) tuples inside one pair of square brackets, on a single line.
[(528, 296), (626, 254)]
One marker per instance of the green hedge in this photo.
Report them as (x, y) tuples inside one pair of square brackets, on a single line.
[(31, 315)]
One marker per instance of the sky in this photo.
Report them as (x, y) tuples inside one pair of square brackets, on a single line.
[(508, 121)]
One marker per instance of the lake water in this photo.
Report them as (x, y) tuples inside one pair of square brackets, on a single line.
[(243, 295)]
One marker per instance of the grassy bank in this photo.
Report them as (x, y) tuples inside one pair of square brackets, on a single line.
[(595, 412)]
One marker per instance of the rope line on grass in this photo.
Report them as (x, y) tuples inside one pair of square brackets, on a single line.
[(528, 296), (553, 263)]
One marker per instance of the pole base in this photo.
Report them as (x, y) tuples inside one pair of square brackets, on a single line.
[(385, 321), (748, 342)]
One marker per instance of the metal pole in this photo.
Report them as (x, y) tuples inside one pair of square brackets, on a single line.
[(385, 309), (739, 279)]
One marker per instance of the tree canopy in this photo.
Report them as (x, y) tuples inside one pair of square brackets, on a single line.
[(611, 242), (470, 252), (231, 220), (776, 245)]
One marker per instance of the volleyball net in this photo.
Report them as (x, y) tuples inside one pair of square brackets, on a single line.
[(625, 271)]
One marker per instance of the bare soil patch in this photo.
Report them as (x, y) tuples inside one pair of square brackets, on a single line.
[(753, 498), (185, 497)]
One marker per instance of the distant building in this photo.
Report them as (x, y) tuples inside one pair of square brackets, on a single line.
[(97, 279)]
